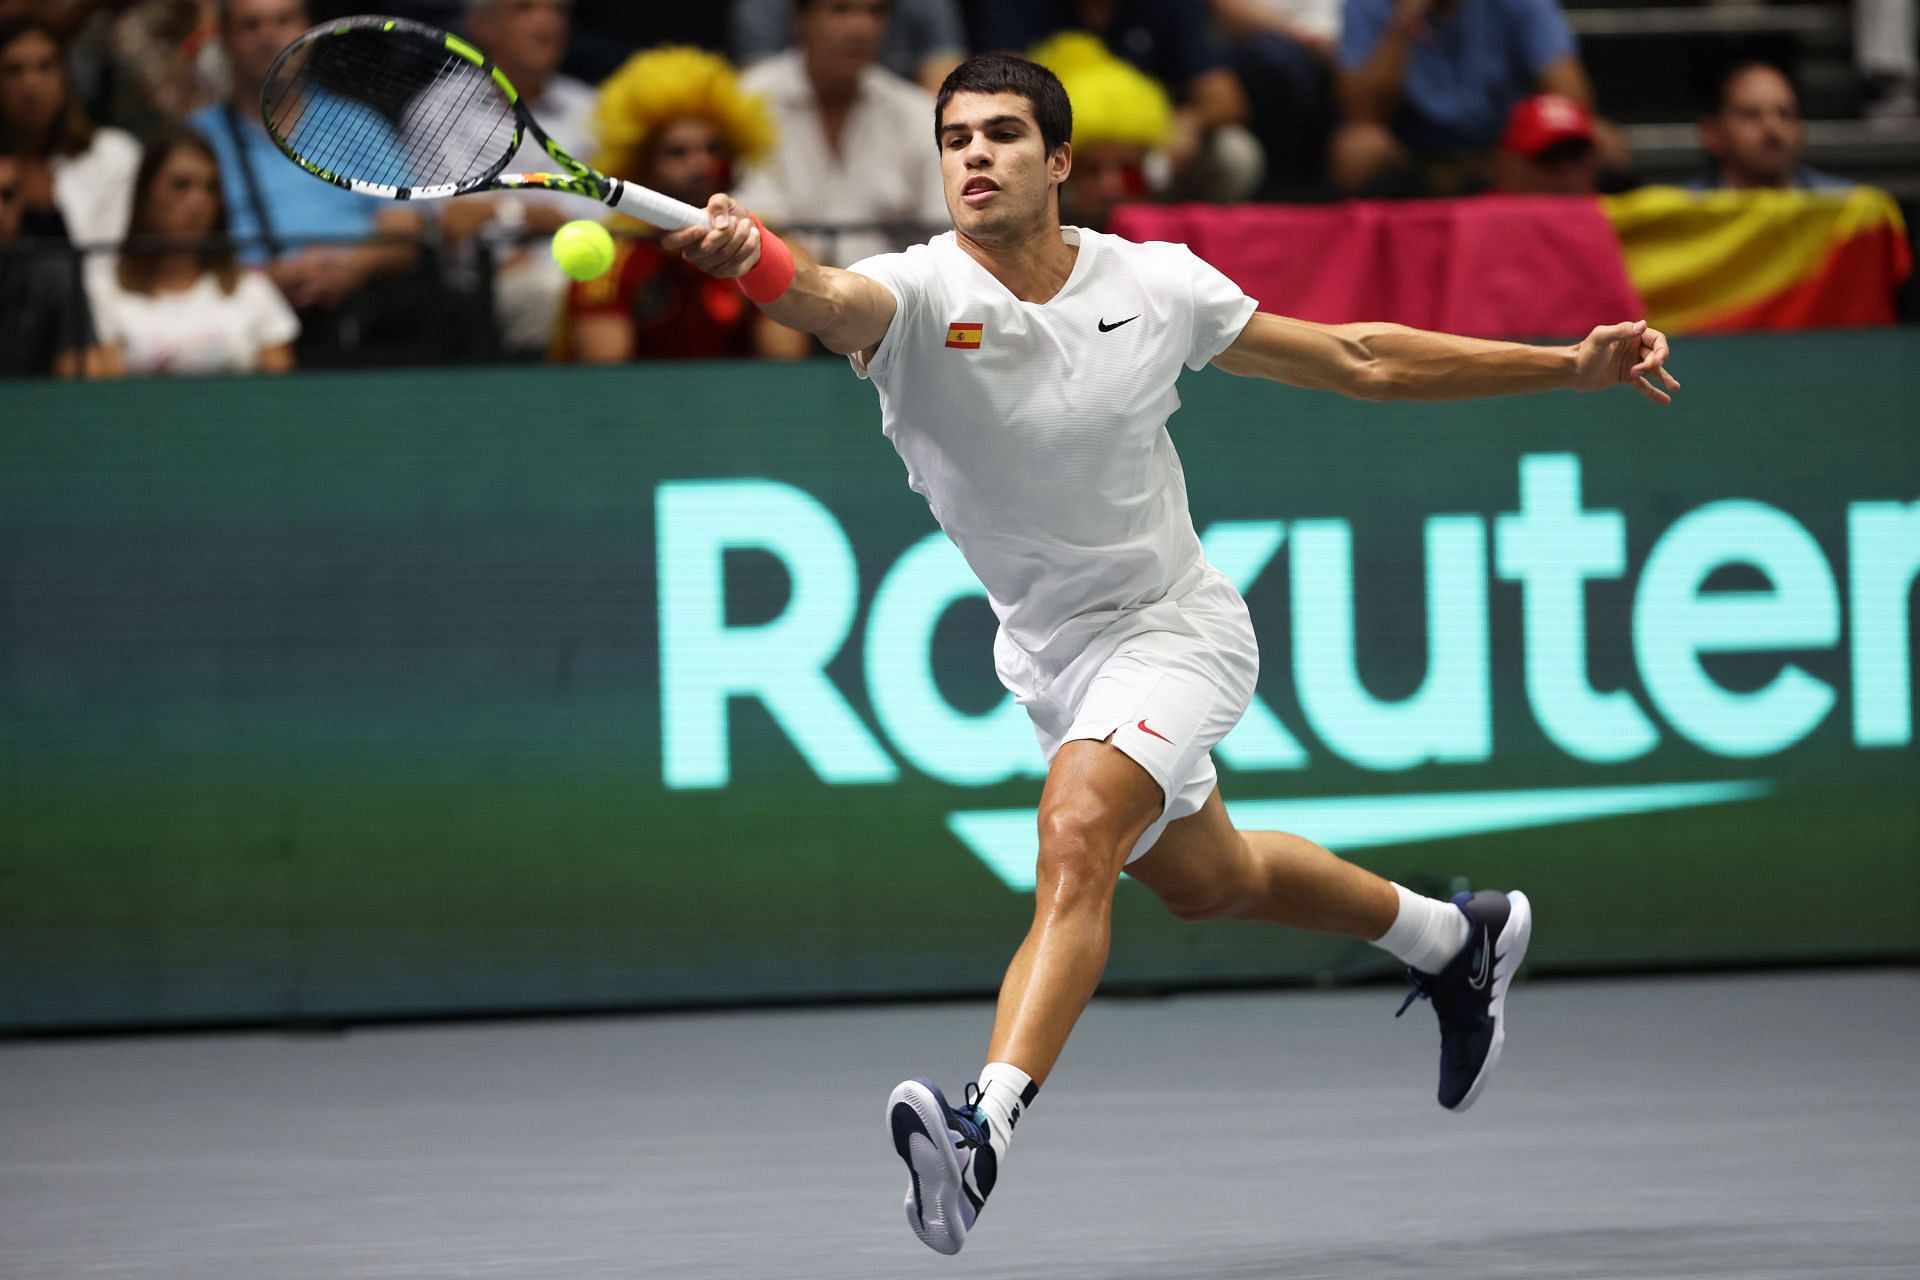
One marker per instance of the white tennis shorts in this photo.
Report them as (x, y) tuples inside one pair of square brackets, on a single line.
[(1166, 694)]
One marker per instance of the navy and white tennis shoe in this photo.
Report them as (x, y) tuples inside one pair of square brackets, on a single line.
[(950, 1162), (1470, 994)]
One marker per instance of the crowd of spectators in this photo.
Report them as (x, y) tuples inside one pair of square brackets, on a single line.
[(202, 249)]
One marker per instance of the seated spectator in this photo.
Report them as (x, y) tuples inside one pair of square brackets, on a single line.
[(45, 327), (856, 145), (1122, 123), (77, 177), (676, 120), (1283, 52), (325, 247), (925, 39), (1548, 149), (176, 301), (526, 39), (1753, 136), (1213, 155), (1427, 86)]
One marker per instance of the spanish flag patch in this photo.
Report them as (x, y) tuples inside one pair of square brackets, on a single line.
[(965, 336)]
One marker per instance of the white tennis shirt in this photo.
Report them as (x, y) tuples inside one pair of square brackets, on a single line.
[(1037, 431)]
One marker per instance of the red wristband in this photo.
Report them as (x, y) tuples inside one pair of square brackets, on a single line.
[(771, 276)]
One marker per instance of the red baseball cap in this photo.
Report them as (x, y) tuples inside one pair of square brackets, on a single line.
[(1545, 120)]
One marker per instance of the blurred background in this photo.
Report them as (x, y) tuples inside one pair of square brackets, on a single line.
[(358, 660)]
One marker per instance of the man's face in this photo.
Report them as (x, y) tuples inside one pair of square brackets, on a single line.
[(32, 82), (690, 161), (995, 168), (1756, 136), (1105, 175), (527, 37), (13, 198), (842, 38), (256, 32)]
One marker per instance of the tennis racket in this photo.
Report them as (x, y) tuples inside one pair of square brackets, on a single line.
[(399, 110)]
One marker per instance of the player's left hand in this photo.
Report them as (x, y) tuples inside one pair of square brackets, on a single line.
[(1629, 353)]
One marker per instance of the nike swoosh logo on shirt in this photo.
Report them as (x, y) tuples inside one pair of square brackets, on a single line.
[(1109, 328), (1163, 737)]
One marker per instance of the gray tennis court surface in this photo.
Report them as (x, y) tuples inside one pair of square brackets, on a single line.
[(1726, 1127)]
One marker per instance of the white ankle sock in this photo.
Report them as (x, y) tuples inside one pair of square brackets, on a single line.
[(1426, 934), (1005, 1093)]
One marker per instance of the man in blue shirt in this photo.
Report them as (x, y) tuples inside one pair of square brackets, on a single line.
[(1753, 137), (298, 209), (1427, 85)]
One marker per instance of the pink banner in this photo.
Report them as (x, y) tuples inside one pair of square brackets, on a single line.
[(1489, 266)]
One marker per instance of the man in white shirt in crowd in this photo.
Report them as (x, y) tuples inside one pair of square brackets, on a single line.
[(853, 147), (527, 39), (1026, 372)]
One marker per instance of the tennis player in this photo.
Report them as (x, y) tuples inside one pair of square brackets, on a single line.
[(1026, 373)]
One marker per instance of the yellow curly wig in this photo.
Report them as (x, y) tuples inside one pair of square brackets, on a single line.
[(656, 86), (1113, 101)]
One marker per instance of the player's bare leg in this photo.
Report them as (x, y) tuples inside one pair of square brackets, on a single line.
[(1096, 804), (1462, 954), (1202, 868)]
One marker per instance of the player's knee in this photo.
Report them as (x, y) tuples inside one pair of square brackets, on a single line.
[(1220, 893), (1077, 854), (1194, 907)]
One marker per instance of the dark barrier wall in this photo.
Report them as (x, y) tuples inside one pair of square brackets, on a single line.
[(343, 695)]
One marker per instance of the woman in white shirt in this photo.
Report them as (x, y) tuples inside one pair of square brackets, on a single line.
[(78, 175), (176, 301)]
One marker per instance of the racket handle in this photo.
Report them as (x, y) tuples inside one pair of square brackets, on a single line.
[(650, 206)]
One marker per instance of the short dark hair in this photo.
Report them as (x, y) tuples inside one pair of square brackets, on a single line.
[(1737, 64), (1004, 73)]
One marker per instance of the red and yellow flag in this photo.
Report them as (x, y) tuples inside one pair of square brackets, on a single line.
[(965, 335), (1721, 261)]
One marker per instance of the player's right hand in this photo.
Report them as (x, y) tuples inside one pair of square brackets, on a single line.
[(727, 247)]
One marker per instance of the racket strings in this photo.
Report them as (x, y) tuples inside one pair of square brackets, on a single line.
[(391, 108)]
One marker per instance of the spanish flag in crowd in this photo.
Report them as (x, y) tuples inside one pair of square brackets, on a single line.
[(1545, 266), (1722, 261)]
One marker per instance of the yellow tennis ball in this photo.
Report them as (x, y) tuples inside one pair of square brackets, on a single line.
[(583, 249)]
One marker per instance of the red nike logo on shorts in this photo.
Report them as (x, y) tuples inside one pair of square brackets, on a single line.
[(1142, 726)]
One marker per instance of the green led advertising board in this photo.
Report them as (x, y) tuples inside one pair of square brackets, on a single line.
[(456, 691)]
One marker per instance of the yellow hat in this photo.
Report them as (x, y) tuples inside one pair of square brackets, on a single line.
[(1113, 101), (657, 86)]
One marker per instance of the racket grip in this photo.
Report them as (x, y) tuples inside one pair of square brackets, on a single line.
[(651, 207)]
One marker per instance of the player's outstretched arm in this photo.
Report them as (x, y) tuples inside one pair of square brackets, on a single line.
[(847, 312), (1393, 362)]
